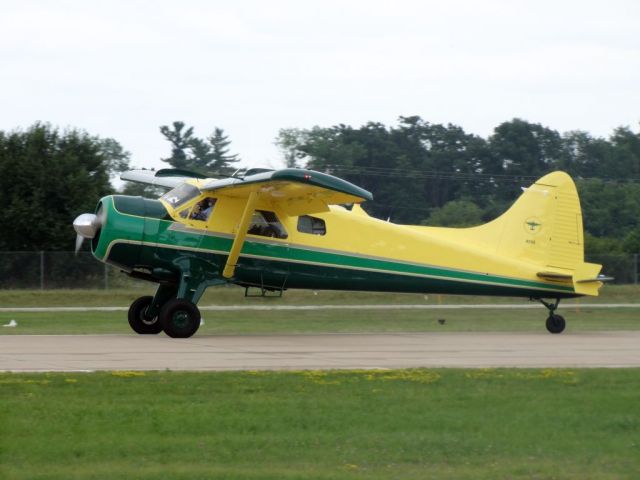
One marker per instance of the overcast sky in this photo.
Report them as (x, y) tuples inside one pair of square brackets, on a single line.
[(122, 68)]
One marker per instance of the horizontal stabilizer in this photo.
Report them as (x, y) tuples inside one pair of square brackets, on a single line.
[(555, 276), (599, 278)]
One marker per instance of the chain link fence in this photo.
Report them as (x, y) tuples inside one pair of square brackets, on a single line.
[(60, 270), (53, 270)]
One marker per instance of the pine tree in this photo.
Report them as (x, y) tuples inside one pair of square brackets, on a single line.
[(221, 159), (180, 144), (209, 157)]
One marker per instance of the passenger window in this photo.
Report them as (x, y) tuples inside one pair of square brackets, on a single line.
[(202, 210), (266, 224), (184, 213), (312, 225)]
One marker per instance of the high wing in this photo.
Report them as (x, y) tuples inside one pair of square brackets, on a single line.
[(295, 191), (167, 177)]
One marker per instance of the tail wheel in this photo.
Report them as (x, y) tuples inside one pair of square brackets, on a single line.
[(555, 323), (179, 318), (138, 319)]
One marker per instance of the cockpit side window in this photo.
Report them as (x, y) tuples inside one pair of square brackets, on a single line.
[(202, 210), (266, 224), (312, 225), (180, 195)]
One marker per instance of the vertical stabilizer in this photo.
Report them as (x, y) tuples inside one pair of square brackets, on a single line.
[(544, 227)]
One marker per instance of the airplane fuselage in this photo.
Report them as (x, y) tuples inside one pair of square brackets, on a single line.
[(352, 251), (284, 229)]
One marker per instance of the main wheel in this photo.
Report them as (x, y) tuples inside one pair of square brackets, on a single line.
[(555, 323), (138, 320), (179, 318)]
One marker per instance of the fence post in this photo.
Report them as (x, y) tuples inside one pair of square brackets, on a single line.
[(41, 270)]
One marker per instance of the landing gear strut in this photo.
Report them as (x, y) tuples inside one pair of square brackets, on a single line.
[(173, 307), (555, 323)]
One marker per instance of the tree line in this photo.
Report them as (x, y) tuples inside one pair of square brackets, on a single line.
[(49, 175), (419, 173), (434, 174)]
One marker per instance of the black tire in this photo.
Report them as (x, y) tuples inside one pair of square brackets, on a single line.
[(139, 322), (555, 323), (179, 318)]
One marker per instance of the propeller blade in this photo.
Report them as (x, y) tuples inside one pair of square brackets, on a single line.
[(79, 240)]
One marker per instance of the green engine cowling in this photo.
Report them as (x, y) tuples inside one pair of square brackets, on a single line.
[(129, 231)]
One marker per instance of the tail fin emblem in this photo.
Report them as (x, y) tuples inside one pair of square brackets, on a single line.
[(532, 225)]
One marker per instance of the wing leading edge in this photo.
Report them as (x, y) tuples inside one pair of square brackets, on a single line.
[(167, 177), (296, 191)]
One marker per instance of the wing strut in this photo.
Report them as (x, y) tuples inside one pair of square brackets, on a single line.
[(238, 242)]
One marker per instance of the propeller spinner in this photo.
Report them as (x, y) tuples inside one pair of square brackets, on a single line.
[(87, 225)]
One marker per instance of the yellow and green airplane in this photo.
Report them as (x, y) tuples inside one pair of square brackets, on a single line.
[(297, 228)]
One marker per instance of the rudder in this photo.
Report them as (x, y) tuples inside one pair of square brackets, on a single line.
[(544, 227)]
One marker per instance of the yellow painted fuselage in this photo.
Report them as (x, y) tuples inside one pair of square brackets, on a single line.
[(535, 249)]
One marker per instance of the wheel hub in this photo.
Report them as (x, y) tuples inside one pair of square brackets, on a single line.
[(180, 319)]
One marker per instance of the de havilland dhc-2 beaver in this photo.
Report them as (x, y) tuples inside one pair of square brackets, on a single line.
[(297, 228)]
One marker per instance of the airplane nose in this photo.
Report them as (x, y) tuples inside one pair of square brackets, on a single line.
[(87, 225)]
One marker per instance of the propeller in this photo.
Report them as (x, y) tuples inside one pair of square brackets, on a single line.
[(86, 226), (79, 240)]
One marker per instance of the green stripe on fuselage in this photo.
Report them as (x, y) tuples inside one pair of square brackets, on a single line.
[(209, 243)]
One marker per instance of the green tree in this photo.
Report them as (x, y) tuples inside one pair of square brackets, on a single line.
[(289, 141), (456, 213), (626, 155), (116, 158), (180, 140), (601, 245), (609, 209), (47, 178), (221, 160), (527, 150), (207, 156), (586, 156), (411, 168), (631, 242)]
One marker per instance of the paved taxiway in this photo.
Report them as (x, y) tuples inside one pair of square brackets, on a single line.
[(248, 352)]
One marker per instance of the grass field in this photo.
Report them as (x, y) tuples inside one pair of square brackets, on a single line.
[(235, 296), (317, 321), (577, 312), (422, 424)]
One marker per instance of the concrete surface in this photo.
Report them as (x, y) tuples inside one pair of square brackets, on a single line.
[(23, 353)]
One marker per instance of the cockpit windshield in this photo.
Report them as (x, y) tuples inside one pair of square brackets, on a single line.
[(180, 195)]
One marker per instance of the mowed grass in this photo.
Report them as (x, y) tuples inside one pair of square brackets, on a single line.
[(577, 312), (420, 424), (232, 295), (337, 321)]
